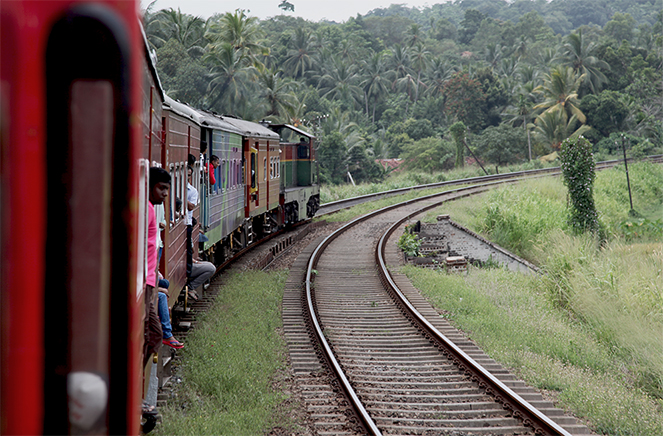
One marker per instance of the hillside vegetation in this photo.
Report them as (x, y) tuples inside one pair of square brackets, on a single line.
[(515, 78)]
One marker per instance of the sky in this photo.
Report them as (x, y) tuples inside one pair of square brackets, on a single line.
[(312, 10)]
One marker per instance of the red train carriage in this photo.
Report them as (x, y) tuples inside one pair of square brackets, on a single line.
[(260, 146), (73, 190), (181, 138)]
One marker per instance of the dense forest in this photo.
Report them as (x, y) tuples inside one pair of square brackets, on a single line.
[(511, 80)]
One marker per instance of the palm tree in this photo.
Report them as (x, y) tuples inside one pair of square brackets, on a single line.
[(493, 54), (240, 31), (229, 76), (300, 55), (522, 111), (400, 60), (579, 54), (546, 58), (186, 29), (413, 36), (277, 92), (560, 91), (419, 62), (376, 80), (553, 127), (340, 82), (437, 74)]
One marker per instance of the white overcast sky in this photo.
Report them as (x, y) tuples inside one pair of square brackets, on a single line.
[(312, 10)]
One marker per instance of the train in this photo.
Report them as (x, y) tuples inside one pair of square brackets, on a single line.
[(83, 117)]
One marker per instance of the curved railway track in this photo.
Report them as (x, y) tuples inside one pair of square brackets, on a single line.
[(335, 206), (402, 397), (399, 375)]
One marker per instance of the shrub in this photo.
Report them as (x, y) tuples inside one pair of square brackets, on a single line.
[(578, 172)]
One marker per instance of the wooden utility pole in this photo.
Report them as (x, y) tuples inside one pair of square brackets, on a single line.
[(628, 181)]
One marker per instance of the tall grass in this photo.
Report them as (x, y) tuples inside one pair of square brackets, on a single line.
[(591, 328), (231, 359)]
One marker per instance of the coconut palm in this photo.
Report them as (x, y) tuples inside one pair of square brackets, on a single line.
[(414, 35), (553, 126), (376, 80), (437, 74), (276, 91), (340, 82), (522, 111), (579, 54), (560, 91), (229, 76), (240, 31), (399, 60), (300, 55)]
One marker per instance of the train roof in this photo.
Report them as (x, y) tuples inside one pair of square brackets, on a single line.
[(210, 120), (255, 130), (182, 109), (291, 127), (151, 61)]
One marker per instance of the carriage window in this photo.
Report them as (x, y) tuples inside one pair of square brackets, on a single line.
[(302, 151), (222, 175), (264, 169), (253, 170)]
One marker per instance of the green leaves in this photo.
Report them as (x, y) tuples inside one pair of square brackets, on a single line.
[(578, 172)]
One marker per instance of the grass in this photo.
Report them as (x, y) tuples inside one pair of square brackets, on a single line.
[(591, 329), (231, 361)]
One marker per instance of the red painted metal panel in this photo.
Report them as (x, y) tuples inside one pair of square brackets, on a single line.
[(25, 27)]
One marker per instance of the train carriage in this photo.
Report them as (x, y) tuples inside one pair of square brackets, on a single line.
[(73, 179), (299, 177), (259, 148), (182, 136), (223, 201)]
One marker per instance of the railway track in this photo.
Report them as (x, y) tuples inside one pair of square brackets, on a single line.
[(393, 374), (335, 206)]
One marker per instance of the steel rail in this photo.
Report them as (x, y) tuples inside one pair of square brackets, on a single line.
[(337, 205), (310, 272), (530, 415)]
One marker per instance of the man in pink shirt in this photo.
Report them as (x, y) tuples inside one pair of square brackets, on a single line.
[(159, 188)]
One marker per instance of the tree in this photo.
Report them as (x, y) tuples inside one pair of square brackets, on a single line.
[(183, 78), (605, 112), (376, 81), (332, 154), (502, 145), (458, 131), (578, 172), (464, 100), (620, 27), (560, 92), (240, 31), (554, 126), (580, 55), (300, 55), (277, 92), (470, 25), (429, 154), (287, 6), (229, 77)]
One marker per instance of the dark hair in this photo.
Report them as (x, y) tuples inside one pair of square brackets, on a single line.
[(178, 204), (213, 158), (158, 175), (192, 159)]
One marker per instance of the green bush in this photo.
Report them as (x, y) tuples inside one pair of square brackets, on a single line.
[(578, 172)]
